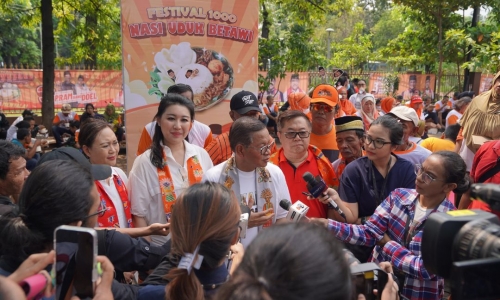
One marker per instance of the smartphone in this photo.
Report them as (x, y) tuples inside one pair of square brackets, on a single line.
[(76, 261), (369, 276)]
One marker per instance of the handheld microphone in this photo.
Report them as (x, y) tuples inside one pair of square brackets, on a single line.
[(296, 211), (245, 216), (317, 187)]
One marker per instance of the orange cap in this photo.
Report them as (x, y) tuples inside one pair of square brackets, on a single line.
[(325, 93)]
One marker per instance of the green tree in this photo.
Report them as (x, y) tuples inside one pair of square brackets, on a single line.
[(354, 51), (19, 43)]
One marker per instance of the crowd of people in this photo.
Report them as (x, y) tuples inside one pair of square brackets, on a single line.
[(171, 228)]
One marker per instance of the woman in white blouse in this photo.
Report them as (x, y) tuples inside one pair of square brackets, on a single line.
[(172, 164)]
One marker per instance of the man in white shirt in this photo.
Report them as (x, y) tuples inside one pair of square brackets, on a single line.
[(356, 98), (256, 183), (409, 150)]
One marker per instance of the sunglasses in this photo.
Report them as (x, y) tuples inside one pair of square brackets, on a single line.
[(294, 134), (321, 107)]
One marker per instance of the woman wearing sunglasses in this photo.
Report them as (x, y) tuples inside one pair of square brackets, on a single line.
[(397, 225)]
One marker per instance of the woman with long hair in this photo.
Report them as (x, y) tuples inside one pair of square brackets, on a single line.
[(168, 168), (204, 226), (367, 181), (100, 145), (396, 226)]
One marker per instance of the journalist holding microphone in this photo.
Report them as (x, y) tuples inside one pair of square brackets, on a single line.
[(397, 224)]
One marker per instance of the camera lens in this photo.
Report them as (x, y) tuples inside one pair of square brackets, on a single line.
[(477, 239)]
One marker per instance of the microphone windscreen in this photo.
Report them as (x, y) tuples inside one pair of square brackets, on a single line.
[(308, 176), (285, 204)]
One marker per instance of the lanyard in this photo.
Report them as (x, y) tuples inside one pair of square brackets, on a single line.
[(380, 197), (412, 228)]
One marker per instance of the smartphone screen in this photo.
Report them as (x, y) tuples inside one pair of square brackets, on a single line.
[(76, 252)]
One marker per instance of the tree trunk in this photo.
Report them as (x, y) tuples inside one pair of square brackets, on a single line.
[(91, 23), (475, 18), (265, 22), (440, 51), (48, 63)]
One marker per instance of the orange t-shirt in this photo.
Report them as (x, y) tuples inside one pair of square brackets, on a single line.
[(267, 109), (327, 144), (348, 107)]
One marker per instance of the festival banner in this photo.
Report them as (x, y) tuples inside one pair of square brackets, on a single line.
[(486, 82), (409, 85), (210, 45), (22, 89), (281, 88)]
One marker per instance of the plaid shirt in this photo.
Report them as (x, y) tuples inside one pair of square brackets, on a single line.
[(390, 217)]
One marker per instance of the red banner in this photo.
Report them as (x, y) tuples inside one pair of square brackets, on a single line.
[(21, 89)]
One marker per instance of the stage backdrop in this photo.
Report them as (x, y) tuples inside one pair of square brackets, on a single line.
[(209, 45), (22, 89)]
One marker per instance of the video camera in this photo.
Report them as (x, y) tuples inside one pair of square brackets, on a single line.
[(464, 246)]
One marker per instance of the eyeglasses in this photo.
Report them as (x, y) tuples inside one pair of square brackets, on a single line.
[(377, 143), (322, 107), (100, 212), (293, 134), (263, 149), (426, 177)]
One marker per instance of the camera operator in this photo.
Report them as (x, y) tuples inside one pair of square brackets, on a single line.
[(396, 227)]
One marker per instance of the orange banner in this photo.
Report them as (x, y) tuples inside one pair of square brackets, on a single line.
[(409, 85), (22, 89), (209, 45)]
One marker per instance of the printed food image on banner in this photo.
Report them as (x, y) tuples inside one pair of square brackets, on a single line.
[(209, 45)]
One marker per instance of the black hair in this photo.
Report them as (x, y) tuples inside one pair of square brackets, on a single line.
[(170, 70), (28, 118), (451, 132), (455, 94), (291, 114), (23, 133), (87, 106), (377, 101), (399, 97), (74, 123), (80, 77), (360, 133), (23, 124), (342, 80), (294, 76), (355, 81), (321, 68), (56, 193), (27, 112), (67, 73), (393, 125), (242, 130), (455, 170), (8, 153), (180, 88), (281, 264), (168, 100), (90, 130)]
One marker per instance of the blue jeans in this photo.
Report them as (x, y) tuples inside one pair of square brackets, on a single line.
[(58, 132), (31, 163)]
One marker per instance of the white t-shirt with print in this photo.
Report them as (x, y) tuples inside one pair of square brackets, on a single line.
[(247, 185)]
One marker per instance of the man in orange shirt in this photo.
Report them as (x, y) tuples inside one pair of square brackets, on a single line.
[(350, 139), (345, 104), (243, 104), (297, 156), (324, 100), (61, 123)]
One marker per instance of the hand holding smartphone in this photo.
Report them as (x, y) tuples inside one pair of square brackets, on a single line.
[(76, 262)]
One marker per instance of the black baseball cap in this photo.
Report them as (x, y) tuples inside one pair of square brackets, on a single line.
[(99, 172), (244, 102)]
